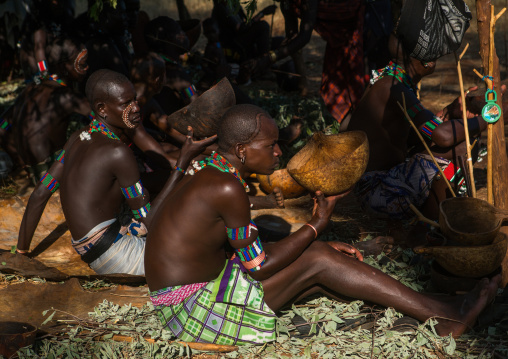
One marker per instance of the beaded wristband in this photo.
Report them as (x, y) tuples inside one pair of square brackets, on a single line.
[(141, 212), (61, 157), (42, 66), (429, 127), (314, 228), (4, 124), (50, 183), (179, 169), (188, 92)]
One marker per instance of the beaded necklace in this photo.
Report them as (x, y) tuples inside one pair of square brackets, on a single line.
[(221, 164), (96, 126), (55, 78), (393, 70)]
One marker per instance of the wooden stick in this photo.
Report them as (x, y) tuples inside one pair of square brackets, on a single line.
[(490, 194), (425, 144), (193, 345), (422, 218), (466, 127)]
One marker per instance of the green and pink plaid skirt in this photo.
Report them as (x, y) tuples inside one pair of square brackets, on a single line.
[(229, 310)]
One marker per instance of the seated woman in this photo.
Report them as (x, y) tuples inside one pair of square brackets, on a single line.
[(203, 294), (42, 114)]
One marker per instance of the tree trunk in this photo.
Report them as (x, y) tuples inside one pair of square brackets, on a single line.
[(499, 157)]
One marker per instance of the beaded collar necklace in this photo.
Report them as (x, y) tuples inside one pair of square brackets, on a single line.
[(393, 70), (221, 164), (96, 126), (55, 78)]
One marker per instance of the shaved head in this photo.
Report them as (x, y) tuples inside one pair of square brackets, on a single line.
[(239, 124), (102, 85)]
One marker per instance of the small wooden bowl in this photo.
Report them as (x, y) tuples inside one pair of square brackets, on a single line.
[(205, 112), (331, 164), (282, 179)]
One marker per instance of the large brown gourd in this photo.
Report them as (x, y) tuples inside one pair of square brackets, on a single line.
[(331, 163)]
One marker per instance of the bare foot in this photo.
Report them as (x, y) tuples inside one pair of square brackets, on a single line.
[(466, 308), (373, 247), (272, 200)]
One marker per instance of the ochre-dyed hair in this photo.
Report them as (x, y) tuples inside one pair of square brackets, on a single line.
[(101, 84), (239, 124)]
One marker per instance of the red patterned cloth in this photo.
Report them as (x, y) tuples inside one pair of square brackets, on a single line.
[(340, 24), (176, 296)]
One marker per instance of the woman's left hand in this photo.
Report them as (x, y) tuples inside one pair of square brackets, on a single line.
[(347, 249)]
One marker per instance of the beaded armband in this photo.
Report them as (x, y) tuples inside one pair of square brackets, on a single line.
[(252, 256), (42, 66), (429, 127), (50, 183), (188, 92), (242, 232), (4, 124), (61, 157), (141, 212), (133, 191), (414, 110)]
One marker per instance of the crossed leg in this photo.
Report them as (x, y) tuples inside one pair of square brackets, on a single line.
[(321, 268)]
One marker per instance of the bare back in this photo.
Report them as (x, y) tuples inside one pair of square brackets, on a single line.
[(187, 237), (90, 181)]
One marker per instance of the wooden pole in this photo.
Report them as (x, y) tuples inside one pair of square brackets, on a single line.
[(490, 62), (500, 160), (469, 160), (490, 196)]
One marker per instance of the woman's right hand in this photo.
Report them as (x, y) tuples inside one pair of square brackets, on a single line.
[(323, 209), (192, 148)]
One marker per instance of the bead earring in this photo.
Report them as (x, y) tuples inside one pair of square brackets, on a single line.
[(242, 160)]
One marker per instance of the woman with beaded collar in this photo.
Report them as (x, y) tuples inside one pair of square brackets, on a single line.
[(203, 293), (98, 175)]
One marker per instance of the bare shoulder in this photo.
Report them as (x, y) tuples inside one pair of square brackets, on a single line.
[(223, 184)]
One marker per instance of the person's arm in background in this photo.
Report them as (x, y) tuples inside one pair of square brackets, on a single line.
[(43, 191)]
